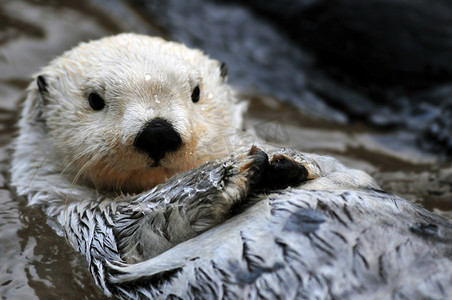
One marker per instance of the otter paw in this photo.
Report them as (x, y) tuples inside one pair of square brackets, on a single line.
[(221, 187), (283, 171), (244, 172)]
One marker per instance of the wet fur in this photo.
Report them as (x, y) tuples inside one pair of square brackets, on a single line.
[(225, 228)]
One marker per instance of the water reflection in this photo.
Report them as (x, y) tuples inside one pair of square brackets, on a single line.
[(35, 262)]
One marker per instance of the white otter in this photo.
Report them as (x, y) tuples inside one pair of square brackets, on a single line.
[(107, 121), (121, 114), (124, 113)]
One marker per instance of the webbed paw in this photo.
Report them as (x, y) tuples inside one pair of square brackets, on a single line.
[(230, 185), (283, 171), (199, 199)]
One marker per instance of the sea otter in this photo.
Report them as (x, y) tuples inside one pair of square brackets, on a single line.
[(134, 145)]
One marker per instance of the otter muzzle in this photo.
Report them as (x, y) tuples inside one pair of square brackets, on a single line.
[(157, 138)]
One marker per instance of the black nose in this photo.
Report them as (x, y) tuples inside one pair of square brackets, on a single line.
[(157, 138)]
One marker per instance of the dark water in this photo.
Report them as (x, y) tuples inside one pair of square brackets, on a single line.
[(264, 65), (384, 62)]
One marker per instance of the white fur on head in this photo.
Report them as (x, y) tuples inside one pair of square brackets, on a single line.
[(140, 78)]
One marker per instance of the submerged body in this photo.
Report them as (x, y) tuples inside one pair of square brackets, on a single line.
[(108, 121)]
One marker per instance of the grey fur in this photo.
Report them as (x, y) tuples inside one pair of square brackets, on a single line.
[(225, 229), (339, 243)]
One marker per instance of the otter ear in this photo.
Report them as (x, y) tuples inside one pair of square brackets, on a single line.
[(223, 70), (33, 110), (42, 84)]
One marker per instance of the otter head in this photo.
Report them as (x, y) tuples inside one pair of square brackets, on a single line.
[(126, 112)]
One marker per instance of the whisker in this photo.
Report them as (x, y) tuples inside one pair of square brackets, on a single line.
[(71, 162), (79, 173), (37, 170), (229, 134), (243, 133)]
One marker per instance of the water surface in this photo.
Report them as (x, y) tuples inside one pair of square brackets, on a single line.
[(36, 263)]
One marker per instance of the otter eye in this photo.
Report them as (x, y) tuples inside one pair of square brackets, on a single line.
[(195, 94), (96, 101)]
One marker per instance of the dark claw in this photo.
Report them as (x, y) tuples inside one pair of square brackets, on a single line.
[(258, 166), (282, 172)]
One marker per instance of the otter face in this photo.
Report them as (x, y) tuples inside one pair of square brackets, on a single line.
[(126, 112)]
